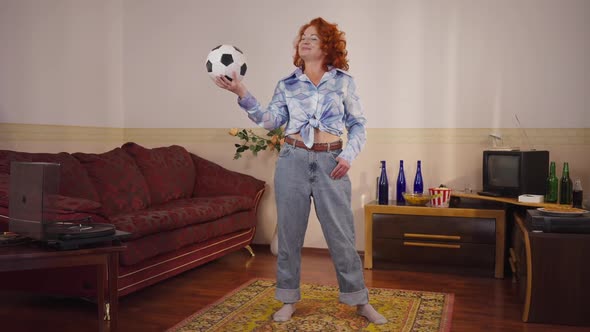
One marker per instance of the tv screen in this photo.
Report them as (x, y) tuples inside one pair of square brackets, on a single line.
[(512, 173), (503, 170)]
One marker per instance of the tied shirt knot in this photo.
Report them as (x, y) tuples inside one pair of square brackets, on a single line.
[(307, 132)]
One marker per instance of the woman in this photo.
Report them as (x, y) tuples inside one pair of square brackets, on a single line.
[(317, 101)]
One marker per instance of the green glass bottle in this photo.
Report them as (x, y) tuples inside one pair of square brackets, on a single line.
[(565, 193), (552, 185)]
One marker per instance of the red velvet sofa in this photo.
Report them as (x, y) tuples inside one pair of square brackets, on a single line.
[(181, 209)]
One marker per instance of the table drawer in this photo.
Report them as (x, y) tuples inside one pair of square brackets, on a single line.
[(434, 228), (435, 253)]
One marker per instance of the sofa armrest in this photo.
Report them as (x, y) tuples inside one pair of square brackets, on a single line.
[(214, 180)]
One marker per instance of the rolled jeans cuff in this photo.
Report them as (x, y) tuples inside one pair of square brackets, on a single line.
[(355, 298), (288, 295)]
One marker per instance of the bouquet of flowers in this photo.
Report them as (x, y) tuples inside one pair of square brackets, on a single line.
[(253, 142)]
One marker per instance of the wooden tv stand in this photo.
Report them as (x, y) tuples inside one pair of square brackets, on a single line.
[(458, 238), (422, 237)]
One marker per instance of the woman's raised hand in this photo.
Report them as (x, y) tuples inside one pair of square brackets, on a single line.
[(234, 85)]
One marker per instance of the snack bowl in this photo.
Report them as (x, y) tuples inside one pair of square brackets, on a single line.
[(417, 199)]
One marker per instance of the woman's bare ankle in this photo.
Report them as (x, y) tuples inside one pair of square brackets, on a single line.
[(285, 313), (371, 314)]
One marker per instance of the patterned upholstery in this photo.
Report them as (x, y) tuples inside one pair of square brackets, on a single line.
[(7, 157), (64, 208), (74, 180), (3, 219), (164, 242), (169, 171), (118, 181), (4, 182), (74, 204), (214, 180), (180, 213)]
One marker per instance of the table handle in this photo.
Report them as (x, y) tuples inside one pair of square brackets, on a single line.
[(432, 245), (432, 236)]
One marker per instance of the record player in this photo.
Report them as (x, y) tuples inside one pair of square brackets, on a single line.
[(547, 222), (34, 187)]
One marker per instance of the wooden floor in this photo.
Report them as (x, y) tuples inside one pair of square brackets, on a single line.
[(481, 304)]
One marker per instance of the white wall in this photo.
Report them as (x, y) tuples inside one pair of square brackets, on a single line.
[(60, 62), (433, 64), (418, 64)]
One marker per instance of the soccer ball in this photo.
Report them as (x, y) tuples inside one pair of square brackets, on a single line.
[(225, 60)]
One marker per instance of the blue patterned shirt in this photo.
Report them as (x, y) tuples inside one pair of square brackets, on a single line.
[(330, 107)]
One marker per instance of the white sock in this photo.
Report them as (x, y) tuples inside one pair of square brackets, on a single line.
[(284, 314), (371, 314)]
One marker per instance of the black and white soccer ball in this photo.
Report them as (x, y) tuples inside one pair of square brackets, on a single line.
[(225, 60)]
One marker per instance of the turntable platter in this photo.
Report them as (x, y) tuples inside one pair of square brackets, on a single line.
[(72, 230)]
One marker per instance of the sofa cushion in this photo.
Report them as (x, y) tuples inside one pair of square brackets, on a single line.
[(65, 207), (180, 213), (164, 242), (74, 180), (214, 180), (61, 202), (7, 157), (65, 204), (4, 183), (118, 181), (168, 171)]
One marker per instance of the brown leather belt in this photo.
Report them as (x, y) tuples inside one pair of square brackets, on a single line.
[(320, 147)]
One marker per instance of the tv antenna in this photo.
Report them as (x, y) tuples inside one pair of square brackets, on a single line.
[(523, 133)]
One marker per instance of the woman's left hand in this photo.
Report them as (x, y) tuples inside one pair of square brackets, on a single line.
[(341, 169)]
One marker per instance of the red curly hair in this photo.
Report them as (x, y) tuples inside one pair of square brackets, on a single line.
[(332, 43)]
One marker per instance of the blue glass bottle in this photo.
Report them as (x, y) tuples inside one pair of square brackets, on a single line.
[(383, 186), (401, 183), (418, 184)]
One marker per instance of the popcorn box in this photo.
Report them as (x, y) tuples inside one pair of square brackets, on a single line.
[(440, 197)]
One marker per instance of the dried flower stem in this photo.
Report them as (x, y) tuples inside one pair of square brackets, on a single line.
[(255, 143)]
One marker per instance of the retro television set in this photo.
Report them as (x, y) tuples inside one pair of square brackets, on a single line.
[(513, 173)]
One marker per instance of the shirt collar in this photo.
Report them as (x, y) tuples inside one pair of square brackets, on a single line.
[(298, 73)]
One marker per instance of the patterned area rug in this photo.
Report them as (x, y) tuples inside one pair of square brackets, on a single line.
[(250, 308)]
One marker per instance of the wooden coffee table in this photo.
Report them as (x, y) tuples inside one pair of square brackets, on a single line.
[(105, 257)]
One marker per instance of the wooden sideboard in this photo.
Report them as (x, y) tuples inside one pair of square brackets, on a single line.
[(552, 274), (457, 238), (550, 269)]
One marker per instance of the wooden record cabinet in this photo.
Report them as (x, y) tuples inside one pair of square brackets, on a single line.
[(552, 273)]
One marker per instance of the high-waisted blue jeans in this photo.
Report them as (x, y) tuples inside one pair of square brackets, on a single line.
[(300, 176)]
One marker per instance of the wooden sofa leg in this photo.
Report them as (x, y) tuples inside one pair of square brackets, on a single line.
[(250, 250), (107, 311)]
